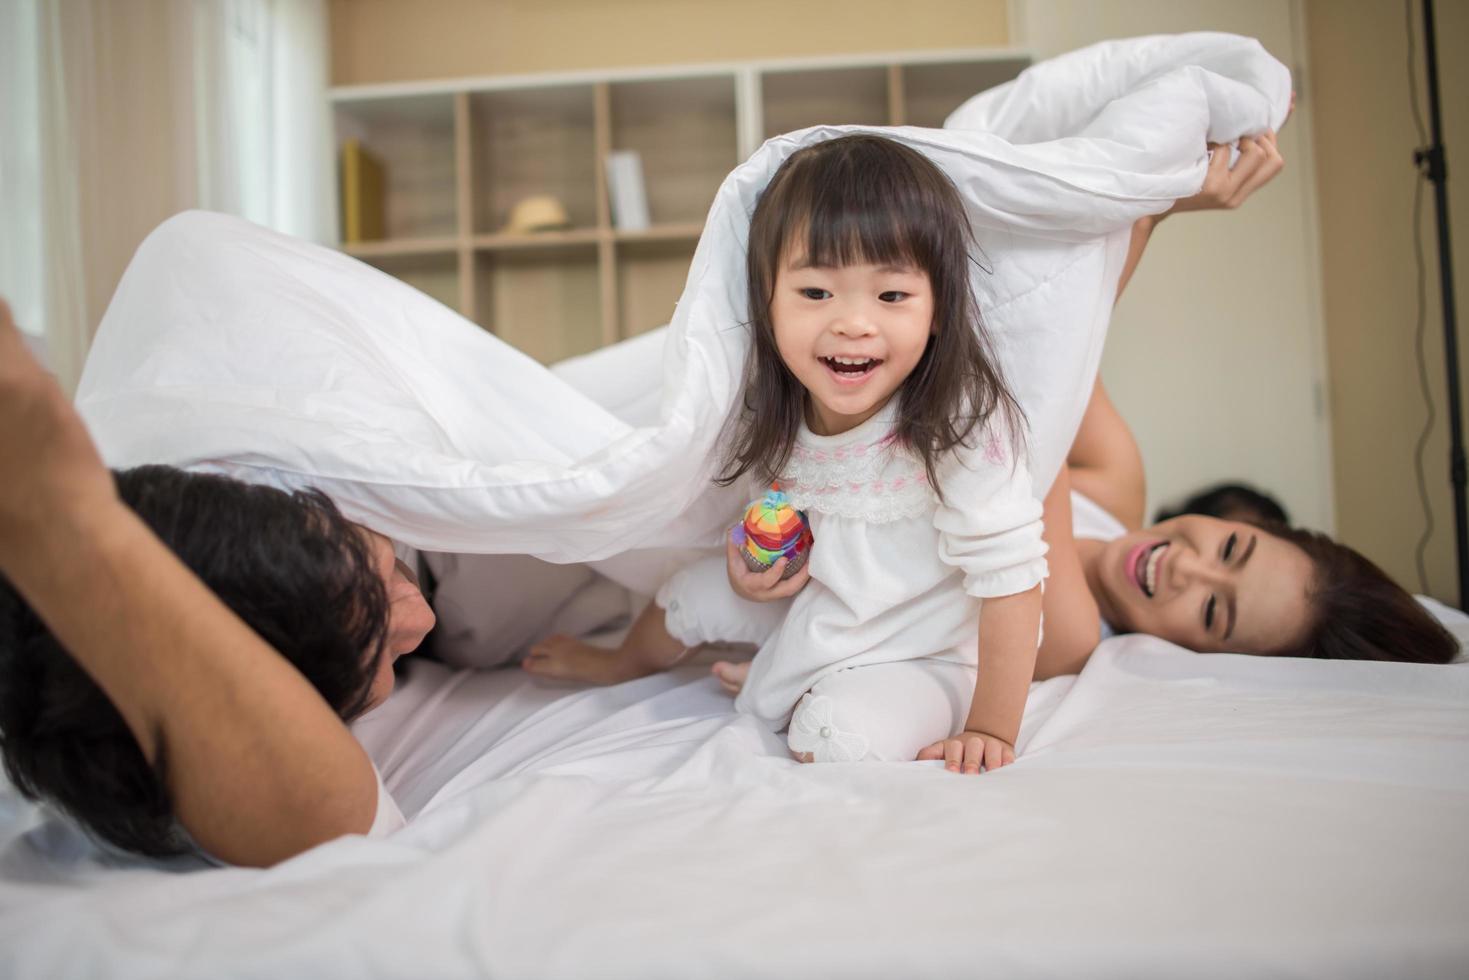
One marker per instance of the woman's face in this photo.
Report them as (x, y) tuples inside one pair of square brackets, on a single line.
[(409, 615), (1207, 584)]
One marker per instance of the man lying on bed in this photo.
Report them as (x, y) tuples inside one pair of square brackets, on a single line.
[(175, 720), (136, 700)]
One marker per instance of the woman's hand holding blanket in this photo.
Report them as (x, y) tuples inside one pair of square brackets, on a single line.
[(1228, 185)]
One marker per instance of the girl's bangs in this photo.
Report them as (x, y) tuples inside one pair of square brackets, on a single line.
[(871, 220)]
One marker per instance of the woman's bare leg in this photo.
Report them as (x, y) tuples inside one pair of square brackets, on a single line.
[(731, 675)]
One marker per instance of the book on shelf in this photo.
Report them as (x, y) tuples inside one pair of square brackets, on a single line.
[(362, 195), (626, 191)]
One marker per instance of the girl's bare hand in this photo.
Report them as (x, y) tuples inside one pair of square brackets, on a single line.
[(766, 586), (970, 752)]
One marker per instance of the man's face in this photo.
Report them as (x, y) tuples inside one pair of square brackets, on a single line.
[(409, 615)]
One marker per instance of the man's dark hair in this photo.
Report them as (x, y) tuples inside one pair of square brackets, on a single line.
[(289, 564), (1229, 502)]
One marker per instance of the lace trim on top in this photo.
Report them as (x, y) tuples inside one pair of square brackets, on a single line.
[(867, 478)]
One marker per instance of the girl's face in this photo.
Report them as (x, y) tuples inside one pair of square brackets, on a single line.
[(850, 334), (1207, 585)]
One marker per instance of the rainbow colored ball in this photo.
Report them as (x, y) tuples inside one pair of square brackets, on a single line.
[(773, 529)]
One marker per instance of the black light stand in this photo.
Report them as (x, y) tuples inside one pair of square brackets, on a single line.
[(1430, 160)]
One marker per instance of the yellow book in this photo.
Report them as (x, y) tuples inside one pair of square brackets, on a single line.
[(362, 195)]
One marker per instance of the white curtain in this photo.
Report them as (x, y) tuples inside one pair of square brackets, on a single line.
[(263, 126), (131, 112), (20, 168)]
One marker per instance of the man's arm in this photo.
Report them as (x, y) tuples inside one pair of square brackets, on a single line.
[(258, 766)]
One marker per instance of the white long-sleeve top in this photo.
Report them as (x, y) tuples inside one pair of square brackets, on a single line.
[(895, 573)]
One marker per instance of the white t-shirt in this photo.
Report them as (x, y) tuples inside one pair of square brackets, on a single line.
[(1090, 522), (388, 818)]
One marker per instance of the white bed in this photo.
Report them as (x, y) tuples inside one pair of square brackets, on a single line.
[(1170, 815)]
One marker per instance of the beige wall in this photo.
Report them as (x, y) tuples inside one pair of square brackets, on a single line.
[(397, 40), (1364, 140)]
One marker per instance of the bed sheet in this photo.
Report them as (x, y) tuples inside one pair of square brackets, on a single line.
[(1170, 815)]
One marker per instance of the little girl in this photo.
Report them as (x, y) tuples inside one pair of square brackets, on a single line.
[(870, 395)]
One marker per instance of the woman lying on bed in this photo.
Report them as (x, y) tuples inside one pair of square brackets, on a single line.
[(1203, 583)]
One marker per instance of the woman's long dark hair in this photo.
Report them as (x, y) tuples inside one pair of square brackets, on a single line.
[(1357, 612), (865, 198)]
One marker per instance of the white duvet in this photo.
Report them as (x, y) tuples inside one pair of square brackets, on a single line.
[(229, 347)]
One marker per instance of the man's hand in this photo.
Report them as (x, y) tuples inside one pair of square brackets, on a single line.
[(763, 586), (52, 470), (969, 752)]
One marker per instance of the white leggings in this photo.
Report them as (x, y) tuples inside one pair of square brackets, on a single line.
[(882, 712), (700, 607)]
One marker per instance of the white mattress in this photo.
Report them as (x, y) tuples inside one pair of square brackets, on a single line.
[(1170, 815)]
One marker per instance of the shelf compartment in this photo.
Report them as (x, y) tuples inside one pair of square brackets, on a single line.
[(685, 131), (932, 91), (794, 100), (436, 274), (686, 231), (531, 142), (651, 274), (539, 239), (394, 247), (413, 139), (544, 301)]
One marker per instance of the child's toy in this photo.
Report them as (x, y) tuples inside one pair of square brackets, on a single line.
[(772, 529)]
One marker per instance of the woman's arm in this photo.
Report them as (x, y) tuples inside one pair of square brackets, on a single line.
[(258, 766), (1225, 187), (1105, 464), (1072, 619)]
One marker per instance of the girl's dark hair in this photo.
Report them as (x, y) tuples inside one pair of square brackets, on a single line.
[(1357, 612), (865, 198), (289, 564)]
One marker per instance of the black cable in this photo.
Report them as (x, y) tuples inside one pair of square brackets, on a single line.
[(1420, 330)]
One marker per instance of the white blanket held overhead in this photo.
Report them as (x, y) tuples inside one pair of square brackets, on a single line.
[(233, 348)]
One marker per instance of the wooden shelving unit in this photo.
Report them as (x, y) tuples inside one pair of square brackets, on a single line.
[(459, 155)]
